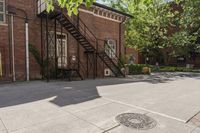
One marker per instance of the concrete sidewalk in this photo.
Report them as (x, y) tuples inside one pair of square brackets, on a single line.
[(90, 106)]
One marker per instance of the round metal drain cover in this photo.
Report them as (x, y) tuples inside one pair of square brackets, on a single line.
[(136, 121)]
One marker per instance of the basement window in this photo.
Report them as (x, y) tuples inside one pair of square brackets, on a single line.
[(2, 11)]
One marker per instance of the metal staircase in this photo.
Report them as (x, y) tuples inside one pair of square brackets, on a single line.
[(89, 42), (83, 35)]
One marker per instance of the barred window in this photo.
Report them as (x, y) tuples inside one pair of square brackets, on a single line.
[(2, 11), (111, 48)]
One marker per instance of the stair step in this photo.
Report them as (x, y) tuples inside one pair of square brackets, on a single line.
[(86, 46), (73, 31), (89, 49), (68, 25), (79, 37), (75, 34), (85, 43), (66, 22), (62, 19)]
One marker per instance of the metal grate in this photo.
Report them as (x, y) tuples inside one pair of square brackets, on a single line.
[(136, 121)]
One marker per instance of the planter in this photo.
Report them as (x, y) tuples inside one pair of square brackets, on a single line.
[(146, 70)]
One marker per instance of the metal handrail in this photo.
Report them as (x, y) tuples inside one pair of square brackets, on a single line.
[(89, 35)]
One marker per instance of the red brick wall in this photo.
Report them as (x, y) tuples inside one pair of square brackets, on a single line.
[(132, 52), (102, 28), (4, 49)]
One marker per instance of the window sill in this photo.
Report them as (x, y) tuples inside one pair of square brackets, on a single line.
[(3, 24)]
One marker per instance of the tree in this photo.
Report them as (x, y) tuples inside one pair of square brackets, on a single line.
[(185, 40), (70, 5), (150, 29), (147, 30)]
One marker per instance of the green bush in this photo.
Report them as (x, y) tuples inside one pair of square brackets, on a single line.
[(175, 69), (136, 69)]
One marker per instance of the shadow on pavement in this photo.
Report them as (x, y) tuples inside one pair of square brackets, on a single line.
[(163, 77), (67, 93)]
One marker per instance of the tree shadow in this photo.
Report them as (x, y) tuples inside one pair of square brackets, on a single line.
[(164, 77)]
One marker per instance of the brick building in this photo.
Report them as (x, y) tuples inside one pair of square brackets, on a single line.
[(88, 44)]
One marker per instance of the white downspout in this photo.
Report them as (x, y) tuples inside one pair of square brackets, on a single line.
[(13, 48), (27, 51)]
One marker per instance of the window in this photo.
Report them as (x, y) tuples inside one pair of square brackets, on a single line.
[(61, 48), (110, 48), (2, 10)]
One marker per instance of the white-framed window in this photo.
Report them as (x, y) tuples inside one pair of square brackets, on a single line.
[(61, 42), (62, 50), (110, 48), (2, 11)]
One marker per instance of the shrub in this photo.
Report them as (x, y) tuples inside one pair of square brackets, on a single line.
[(175, 69), (136, 69)]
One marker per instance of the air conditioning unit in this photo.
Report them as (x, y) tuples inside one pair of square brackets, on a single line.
[(107, 72)]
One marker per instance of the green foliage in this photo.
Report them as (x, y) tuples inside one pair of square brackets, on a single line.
[(70, 5), (135, 69), (175, 69), (156, 25), (36, 54), (148, 27), (184, 44), (121, 62)]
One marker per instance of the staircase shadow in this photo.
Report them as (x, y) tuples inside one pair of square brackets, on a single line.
[(64, 93), (60, 93)]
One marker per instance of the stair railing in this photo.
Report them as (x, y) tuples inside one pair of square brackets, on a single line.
[(84, 30), (89, 35)]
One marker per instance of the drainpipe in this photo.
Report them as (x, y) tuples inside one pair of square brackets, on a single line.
[(120, 33), (26, 43), (27, 49), (12, 10), (13, 48)]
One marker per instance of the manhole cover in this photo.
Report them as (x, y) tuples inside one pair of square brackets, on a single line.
[(136, 121)]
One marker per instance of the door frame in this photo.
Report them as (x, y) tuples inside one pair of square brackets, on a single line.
[(66, 39)]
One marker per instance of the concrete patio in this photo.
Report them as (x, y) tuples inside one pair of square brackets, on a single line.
[(172, 99)]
